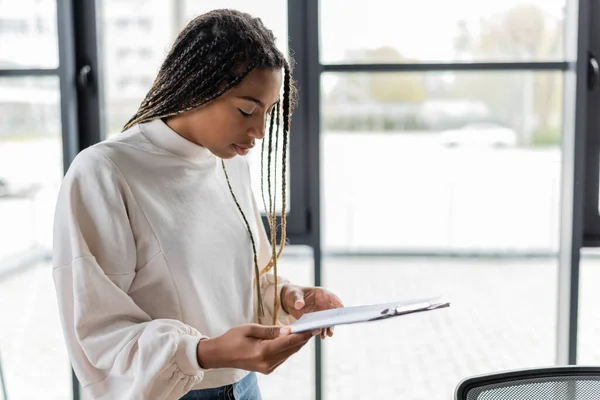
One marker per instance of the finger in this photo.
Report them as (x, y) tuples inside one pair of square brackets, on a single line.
[(267, 332), (330, 332), (336, 301), (297, 298), (288, 341), (323, 336)]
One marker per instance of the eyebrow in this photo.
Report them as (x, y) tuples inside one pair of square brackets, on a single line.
[(255, 100)]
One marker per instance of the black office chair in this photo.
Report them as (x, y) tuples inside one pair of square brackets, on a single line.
[(552, 383)]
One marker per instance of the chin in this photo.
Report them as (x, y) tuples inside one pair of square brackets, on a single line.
[(226, 155)]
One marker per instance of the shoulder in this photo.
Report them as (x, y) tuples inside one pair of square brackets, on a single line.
[(94, 170), (93, 161), (110, 156)]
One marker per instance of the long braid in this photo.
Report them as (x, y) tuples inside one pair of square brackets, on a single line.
[(287, 107), (287, 104), (211, 55), (273, 219), (262, 174), (270, 212), (275, 115), (262, 166)]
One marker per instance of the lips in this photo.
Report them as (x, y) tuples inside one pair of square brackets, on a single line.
[(241, 150)]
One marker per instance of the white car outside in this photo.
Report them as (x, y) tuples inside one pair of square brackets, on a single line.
[(480, 135)]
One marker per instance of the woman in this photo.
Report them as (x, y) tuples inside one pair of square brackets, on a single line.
[(166, 281)]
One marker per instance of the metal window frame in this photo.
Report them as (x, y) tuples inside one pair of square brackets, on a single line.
[(303, 32), (81, 100), (591, 234), (11, 73), (432, 67), (573, 184)]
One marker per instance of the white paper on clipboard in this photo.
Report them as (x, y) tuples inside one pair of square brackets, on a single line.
[(365, 313)]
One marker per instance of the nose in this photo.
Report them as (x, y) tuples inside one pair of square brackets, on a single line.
[(257, 132)]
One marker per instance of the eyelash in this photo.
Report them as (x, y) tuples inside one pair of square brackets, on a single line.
[(246, 115)]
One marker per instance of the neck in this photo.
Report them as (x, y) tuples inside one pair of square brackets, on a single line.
[(179, 124)]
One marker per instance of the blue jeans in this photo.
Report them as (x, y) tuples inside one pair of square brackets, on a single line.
[(246, 389)]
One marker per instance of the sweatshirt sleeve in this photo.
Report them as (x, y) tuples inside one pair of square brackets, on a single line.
[(267, 280), (116, 349)]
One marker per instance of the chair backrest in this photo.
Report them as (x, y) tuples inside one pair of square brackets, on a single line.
[(552, 383)]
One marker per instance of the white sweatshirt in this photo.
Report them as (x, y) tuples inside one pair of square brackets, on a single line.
[(150, 255)]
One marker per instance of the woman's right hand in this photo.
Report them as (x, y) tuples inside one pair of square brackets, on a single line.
[(251, 347)]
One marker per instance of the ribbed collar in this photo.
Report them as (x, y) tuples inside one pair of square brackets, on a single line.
[(167, 139)]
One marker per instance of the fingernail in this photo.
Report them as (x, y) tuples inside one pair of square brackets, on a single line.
[(299, 304), (285, 330)]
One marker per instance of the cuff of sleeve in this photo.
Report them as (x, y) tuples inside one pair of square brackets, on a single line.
[(186, 356)]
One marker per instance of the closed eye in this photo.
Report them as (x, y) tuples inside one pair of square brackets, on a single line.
[(245, 114)]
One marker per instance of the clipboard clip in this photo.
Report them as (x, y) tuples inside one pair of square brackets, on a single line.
[(403, 309)]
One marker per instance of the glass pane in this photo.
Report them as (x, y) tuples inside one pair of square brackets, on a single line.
[(442, 183), (502, 317), (32, 350), (295, 378), (28, 34), (588, 351), (135, 41), (383, 31)]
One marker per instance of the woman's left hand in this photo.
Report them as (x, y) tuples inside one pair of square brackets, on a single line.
[(299, 300)]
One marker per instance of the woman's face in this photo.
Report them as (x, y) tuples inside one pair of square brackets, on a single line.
[(231, 124)]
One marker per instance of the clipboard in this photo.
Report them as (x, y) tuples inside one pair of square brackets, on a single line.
[(365, 313)]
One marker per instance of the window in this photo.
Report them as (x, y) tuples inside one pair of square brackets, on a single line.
[(20, 30), (460, 168), (457, 31), (450, 155), (32, 350), (443, 182)]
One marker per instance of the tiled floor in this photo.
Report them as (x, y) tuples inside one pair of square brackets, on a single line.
[(502, 317)]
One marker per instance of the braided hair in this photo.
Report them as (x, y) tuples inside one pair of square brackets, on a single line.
[(211, 55)]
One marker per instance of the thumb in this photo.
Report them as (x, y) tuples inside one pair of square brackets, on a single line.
[(297, 298), (267, 332)]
